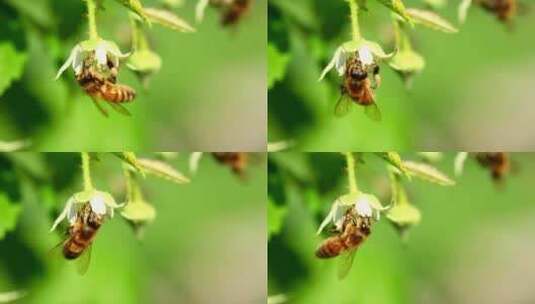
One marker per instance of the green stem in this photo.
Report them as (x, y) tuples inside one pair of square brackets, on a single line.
[(351, 177), (92, 18), (139, 40), (88, 185), (355, 30)]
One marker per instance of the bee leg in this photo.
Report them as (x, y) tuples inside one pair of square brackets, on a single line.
[(376, 81)]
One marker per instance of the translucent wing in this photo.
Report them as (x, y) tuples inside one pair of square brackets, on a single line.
[(345, 262), (99, 107), (119, 108), (373, 112), (343, 106), (82, 262)]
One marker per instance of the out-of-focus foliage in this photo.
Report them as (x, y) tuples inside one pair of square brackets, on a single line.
[(472, 242), (448, 97), (207, 94), (205, 244)]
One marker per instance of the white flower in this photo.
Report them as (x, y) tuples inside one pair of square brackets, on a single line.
[(367, 51), (101, 50), (362, 204), (102, 203)]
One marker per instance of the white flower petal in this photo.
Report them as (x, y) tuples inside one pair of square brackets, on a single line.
[(100, 55), (66, 209), (97, 204), (336, 58), (199, 9), (70, 60), (72, 213), (363, 208), (340, 63), (78, 62), (327, 219), (365, 55)]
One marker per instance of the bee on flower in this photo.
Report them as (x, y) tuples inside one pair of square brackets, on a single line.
[(85, 211), (356, 63), (96, 63), (232, 11), (352, 216)]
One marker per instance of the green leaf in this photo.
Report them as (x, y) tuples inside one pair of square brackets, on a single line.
[(276, 215), (431, 20), (428, 173), (11, 65), (168, 19), (397, 7), (134, 6), (394, 159), (9, 214), (162, 170), (131, 159), (277, 63)]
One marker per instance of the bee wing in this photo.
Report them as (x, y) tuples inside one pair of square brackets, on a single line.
[(83, 261), (345, 263), (343, 106), (373, 112), (119, 108), (99, 107), (56, 252)]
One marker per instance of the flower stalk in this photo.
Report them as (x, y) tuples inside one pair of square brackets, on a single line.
[(355, 29), (351, 177), (88, 185), (92, 19)]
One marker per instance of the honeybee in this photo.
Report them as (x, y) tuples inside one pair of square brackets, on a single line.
[(77, 245), (357, 87), (355, 230), (497, 162), (235, 11), (102, 85), (504, 10), (237, 161)]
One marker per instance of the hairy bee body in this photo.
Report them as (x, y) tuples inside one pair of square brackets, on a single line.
[(355, 232), (82, 232), (235, 11), (100, 87), (356, 84)]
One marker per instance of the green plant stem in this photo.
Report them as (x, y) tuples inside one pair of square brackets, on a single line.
[(355, 30), (92, 18), (88, 185), (139, 40), (351, 177)]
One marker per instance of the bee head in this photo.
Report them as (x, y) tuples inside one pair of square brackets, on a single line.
[(358, 74)]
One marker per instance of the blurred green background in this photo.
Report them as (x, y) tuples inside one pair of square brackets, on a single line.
[(475, 92), (206, 245), (209, 94), (473, 245)]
